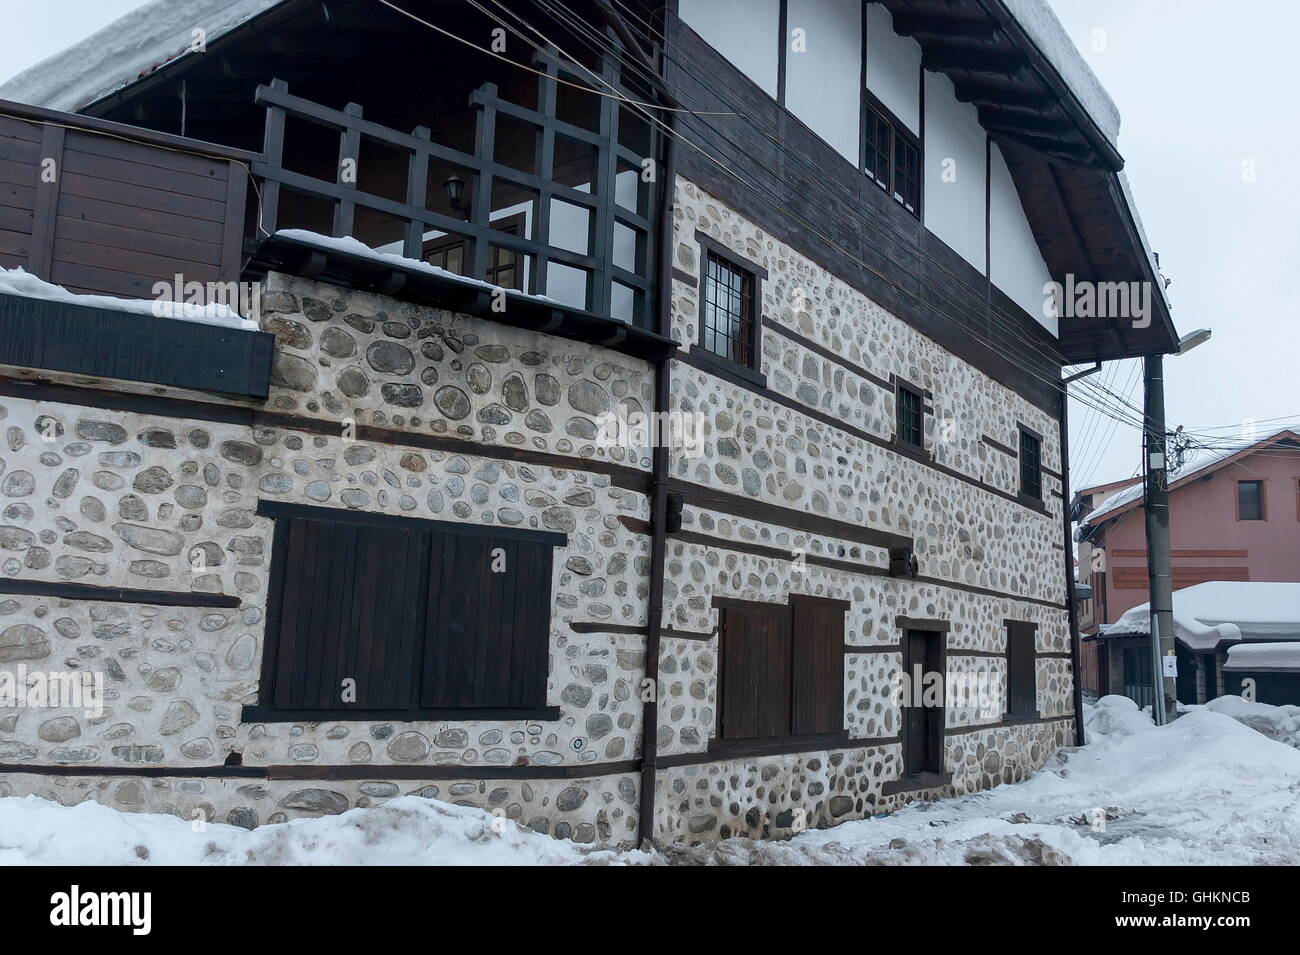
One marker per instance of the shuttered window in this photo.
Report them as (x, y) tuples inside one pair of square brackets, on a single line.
[(1022, 680), (781, 672), (369, 614)]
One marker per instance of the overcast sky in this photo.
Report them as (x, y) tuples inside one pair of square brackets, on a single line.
[(1203, 87)]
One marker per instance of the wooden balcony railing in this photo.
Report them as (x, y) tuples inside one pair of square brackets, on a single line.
[(105, 208), (584, 237)]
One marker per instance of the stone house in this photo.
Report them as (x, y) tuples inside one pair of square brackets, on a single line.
[(409, 535)]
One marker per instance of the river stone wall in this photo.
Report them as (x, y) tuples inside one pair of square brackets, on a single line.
[(151, 501), (964, 534), (155, 502)]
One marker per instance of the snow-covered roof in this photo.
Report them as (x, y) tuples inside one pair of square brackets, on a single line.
[(126, 49), (1223, 610), (1263, 656), (1202, 463), (1045, 29), (163, 30)]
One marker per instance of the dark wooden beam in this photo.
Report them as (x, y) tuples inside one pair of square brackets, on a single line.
[(1002, 98), (1074, 154), (972, 61), (968, 28)]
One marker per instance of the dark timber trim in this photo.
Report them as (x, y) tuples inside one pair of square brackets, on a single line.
[(1003, 724), (999, 446), (339, 515), (63, 590), (824, 352), (246, 416), (848, 566), (692, 359), (916, 783), (126, 346), (918, 623), (270, 714)]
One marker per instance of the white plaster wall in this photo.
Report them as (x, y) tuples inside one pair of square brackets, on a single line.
[(1015, 263), (893, 67), (821, 84), (954, 170), (746, 32)]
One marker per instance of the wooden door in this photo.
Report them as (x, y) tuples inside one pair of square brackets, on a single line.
[(922, 725)]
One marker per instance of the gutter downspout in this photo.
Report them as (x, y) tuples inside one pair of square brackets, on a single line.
[(658, 494), (1073, 609)]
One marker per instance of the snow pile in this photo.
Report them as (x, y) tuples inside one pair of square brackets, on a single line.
[(126, 49), (21, 282), (1208, 789), (1281, 723), (1114, 716), (409, 830)]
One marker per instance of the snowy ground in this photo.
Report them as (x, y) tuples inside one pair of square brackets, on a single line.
[(1219, 786)]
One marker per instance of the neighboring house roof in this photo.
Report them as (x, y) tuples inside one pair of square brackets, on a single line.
[(130, 47), (1128, 498), (1217, 610), (1264, 656)]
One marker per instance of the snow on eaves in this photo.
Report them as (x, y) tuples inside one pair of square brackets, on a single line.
[(1043, 27), (21, 282), (352, 246), (162, 30), (125, 50), (1218, 610), (1263, 656)]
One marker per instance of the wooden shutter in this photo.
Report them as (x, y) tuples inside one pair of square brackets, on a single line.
[(817, 677), (1022, 681), (755, 671), (349, 606), (488, 634)]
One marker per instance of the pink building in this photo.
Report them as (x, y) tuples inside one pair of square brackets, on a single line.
[(1234, 516)]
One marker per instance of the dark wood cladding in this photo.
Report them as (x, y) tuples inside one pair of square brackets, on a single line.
[(111, 210), (125, 346), (377, 614), (778, 173)]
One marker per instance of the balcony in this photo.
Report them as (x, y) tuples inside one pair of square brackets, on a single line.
[(104, 209), (522, 216)]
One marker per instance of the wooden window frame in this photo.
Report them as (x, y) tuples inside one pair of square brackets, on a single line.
[(266, 711), (1263, 499), (902, 387), (510, 225), (878, 113), (756, 275), (1025, 432), (789, 741), (1029, 629)]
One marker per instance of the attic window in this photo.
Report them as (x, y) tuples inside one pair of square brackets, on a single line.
[(891, 155)]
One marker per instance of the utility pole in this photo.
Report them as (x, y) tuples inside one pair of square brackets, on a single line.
[(1164, 706)]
